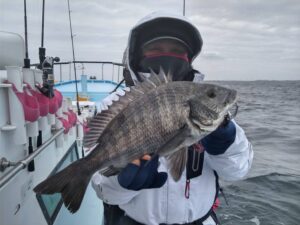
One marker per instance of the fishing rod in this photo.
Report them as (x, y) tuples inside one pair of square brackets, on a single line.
[(42, 54), (42, 50), (30, 167), (73, 51), (46, 64), (26, 60)]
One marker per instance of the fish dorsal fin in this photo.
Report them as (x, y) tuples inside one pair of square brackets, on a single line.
[(153, 81), (103, 118)]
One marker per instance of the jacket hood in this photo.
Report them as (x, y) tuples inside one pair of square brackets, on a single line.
[(157, 25)]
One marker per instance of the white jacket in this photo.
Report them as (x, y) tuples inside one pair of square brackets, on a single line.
[(168, 204)]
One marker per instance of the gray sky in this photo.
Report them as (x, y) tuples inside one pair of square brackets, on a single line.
[(243, 40)]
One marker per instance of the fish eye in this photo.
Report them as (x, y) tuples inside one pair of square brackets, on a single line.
[(211, 93)]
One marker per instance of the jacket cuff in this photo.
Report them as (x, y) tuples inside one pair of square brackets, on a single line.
[(218, 141)]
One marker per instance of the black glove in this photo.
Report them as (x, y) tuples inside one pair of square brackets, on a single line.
[(145, 176), (218, 141)]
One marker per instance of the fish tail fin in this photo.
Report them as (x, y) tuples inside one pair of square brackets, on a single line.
[(71, 182), (177, 163)]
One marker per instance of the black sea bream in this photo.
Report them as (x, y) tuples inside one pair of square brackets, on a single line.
[(154, 117)]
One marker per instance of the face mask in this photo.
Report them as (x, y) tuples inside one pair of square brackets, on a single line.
[(178, 66)]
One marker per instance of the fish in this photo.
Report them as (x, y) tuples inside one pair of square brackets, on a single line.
[(157, 116)]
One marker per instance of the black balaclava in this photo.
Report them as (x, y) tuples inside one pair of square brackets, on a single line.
[(177, 65)]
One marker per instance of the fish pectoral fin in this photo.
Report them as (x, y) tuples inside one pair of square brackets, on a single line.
[(175, 152), (177, 163), (110, 171)]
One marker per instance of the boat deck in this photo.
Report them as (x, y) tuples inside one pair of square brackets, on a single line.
[(96, 89)]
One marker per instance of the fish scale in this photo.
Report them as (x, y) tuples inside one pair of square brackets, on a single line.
[(148, 135)]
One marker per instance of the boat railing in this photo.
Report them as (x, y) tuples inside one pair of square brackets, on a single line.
[(22, 164), (98, 70)]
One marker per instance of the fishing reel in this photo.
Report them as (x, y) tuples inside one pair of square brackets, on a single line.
[(48, 76)]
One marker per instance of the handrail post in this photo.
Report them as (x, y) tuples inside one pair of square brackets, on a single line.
[(70, 66), (113, 72), (60, 73)]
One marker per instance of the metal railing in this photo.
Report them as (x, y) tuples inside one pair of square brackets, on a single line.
[(22, 164), (114, 73)]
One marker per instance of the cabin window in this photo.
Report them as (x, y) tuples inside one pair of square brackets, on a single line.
[(51, 204)]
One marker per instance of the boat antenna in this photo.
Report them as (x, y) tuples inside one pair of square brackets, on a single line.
[(77, 97), (30, 167), (183, 7)]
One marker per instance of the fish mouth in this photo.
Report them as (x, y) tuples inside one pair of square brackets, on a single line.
[(204, 125)]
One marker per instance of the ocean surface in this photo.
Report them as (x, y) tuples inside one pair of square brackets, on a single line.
[(269, 112)]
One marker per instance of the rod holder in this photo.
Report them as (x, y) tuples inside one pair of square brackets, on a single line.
[(17, 117)]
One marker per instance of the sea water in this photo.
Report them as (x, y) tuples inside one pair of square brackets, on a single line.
[(269, 112)]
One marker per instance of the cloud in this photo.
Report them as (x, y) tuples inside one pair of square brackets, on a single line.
[(242, 39)]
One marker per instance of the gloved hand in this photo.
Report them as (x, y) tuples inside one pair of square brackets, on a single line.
[(143, 176), (218, 141)]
